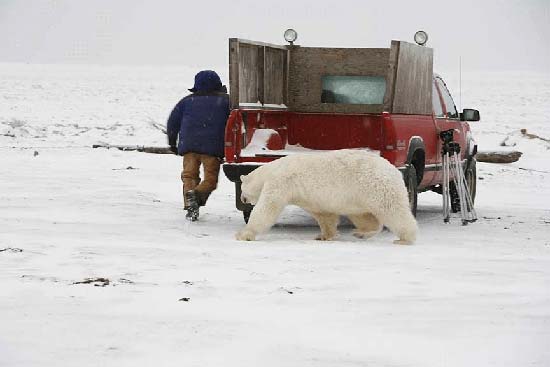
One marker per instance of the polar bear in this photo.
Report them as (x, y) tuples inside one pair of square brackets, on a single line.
[(355, 183)]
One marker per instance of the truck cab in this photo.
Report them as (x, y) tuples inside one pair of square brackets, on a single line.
[(293, 99)]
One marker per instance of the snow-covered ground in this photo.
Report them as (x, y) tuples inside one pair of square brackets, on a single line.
[(187, 294)]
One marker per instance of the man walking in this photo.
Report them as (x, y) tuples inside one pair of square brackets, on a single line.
[(199, 121)]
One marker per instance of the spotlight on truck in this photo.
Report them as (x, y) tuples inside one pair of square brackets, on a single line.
[(421, 38), (291, 35)]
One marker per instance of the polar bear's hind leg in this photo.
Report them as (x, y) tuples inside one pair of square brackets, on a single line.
[(329, 225), (366, 225), (402, 224)]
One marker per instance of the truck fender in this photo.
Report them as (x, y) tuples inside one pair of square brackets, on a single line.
[(416, 144)]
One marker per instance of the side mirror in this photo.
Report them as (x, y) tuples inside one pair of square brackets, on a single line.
[(469, 114)]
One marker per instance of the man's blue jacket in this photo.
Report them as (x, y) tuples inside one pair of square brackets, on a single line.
[(199, 119)]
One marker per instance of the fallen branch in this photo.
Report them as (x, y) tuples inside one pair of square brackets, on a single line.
[(137, 148), (511, 139), (12, 249), (533, 170), (98, 282), (498, 157), (533, 136)]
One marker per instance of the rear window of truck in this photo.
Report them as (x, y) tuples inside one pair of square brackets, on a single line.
[(353, 89)]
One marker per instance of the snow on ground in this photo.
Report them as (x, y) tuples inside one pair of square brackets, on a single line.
[(74, 105), (461, 296)]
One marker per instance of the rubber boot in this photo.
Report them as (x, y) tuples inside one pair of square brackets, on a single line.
[(192, 206)]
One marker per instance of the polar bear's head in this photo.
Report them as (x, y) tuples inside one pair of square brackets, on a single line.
[(251, 188)]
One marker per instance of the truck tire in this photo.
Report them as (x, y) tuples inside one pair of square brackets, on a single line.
[(246, 215), (412, 188), (471, 180)]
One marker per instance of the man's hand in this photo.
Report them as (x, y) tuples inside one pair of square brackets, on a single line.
[(174, 149)]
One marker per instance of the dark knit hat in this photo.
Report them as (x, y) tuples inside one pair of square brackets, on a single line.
[(206, 80)]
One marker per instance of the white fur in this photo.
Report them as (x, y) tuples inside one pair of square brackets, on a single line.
[(358, 184)]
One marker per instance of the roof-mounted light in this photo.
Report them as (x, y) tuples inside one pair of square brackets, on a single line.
[(291, 35), (421, 38)]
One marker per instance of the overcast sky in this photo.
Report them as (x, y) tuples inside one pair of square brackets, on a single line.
[(487, 34)]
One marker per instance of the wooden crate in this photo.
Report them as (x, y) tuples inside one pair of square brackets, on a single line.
[(273, 76)]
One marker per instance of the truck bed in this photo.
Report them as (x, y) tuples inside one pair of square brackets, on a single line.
[(260, 135)]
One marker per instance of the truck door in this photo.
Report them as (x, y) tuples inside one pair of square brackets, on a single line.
[(258, 74), (447, 117)]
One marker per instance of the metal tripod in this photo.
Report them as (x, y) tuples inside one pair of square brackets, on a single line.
[(453, 166)]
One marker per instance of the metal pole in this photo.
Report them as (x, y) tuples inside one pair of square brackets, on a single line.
[(460, 83)]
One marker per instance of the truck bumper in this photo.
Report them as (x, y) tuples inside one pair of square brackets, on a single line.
[(233, 172)]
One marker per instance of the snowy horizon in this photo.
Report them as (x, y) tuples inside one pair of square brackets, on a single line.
[(486, 34)]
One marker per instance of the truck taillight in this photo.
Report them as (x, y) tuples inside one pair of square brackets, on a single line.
[(389, 138), (232, 130)]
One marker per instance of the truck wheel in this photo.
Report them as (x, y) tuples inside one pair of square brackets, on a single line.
[(471, 180), (246, 215), (412, 188)]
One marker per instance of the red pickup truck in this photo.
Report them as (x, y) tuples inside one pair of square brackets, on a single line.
[(288, 99)]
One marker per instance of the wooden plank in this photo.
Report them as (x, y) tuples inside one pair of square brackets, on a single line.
[(274, 75), (234, 72), (261, 74), (391, 75), (413, 82), (286, 76), (248, 73), (309, 64), (260, 44)]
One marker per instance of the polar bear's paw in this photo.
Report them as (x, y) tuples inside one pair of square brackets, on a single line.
[(325, 237), (403, 242), (245, 235), (360, 234)]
